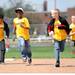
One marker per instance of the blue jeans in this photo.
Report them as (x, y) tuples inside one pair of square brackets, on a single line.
[(59, 47), (24, 47)]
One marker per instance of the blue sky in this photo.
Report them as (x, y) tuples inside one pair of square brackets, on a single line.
[(37, 4)]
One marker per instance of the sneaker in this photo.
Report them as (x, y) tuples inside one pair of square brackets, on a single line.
[(1, 62), (29, 60), (57, 64), (24, 59)]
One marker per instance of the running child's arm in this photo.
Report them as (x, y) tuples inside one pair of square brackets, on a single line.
[(6, 28), (72, 33), (26, 24)]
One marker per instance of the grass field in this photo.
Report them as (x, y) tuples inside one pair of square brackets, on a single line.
[(41, 52)]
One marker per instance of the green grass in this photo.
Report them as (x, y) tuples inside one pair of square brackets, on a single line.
[(41, 52)]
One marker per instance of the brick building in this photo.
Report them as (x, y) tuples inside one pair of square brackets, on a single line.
[(71, 11)]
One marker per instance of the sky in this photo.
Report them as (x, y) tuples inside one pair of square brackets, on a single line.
[(37, 4)]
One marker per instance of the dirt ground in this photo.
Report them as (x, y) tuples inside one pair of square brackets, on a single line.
[(37, 66)]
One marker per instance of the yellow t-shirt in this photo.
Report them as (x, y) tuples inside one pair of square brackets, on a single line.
[(1, 31), (72, 26), (59, 34), (22, 31)]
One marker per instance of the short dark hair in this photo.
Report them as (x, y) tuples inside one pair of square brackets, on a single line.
[(58, 11)]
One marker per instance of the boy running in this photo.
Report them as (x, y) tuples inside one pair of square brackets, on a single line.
[(21, 29), (58, 28), (72, 32), (3, 27)]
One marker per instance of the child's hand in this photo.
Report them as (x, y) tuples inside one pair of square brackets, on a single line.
[(72, 33), (51, 33)]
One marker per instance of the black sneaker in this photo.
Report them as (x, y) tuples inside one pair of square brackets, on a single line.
[(57, 64), (29, 60), (1, 62)]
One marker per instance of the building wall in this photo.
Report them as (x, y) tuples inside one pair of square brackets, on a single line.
[(71, 11), (42, 21), (44, 17)]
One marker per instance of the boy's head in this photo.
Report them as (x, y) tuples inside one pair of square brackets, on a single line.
[(55, 13), (1, 15), (73, 19), (19, 12)]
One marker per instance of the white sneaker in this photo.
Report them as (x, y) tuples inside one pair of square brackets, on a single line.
[(24, 59)]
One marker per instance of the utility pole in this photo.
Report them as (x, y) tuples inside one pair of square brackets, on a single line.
[(45, 5), (55, 4)]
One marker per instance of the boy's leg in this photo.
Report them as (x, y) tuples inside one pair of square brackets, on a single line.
[(28, 50), (73, 47), (57, 53), (21, 47), (2, 51), (62, 45), (2, 56)]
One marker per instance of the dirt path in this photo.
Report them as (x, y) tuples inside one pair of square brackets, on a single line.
[(37, 66)]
